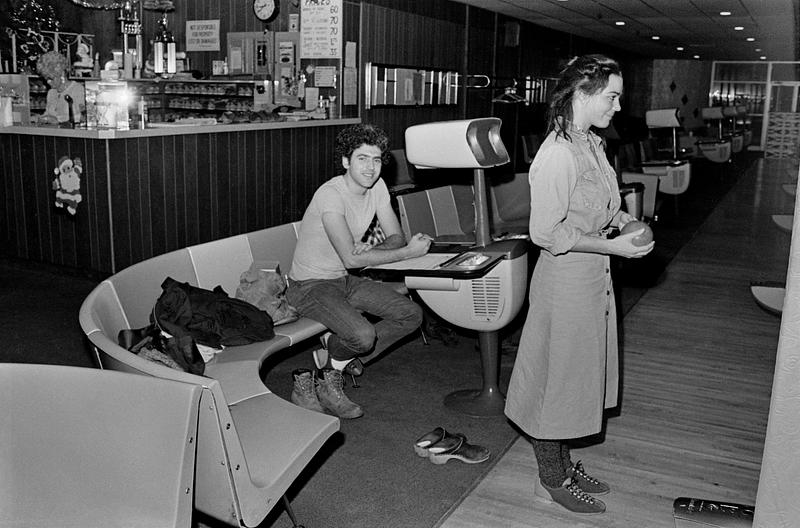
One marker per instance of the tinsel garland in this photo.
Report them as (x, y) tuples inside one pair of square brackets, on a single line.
[(153, 5), (100, 4)]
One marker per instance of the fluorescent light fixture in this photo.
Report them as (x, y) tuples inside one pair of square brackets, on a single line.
[(751, 39), (739, 28), (763, 57), (679, 48), (725, 13), (619, 23), (696, 56), (655, 37)]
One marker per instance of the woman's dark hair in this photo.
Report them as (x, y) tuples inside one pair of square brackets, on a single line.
[(352, 137), (588, 74)]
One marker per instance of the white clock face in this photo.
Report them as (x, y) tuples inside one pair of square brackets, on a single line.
[(265, 9)]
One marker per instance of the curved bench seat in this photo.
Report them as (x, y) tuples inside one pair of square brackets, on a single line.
[(251, 443)]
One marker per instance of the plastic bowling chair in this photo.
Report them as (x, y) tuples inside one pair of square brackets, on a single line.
[(91, 448), (651, 184), (717, 149), (400, 177)]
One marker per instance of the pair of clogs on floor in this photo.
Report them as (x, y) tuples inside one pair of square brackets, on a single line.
[(440, 446)]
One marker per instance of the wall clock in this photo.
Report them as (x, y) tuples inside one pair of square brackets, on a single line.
[(265, 10)]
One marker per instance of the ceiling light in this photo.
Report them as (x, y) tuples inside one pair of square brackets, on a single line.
[(763, 57), (696, 56), (725, 13), (739, 28), (619, 23), (758, 49), (751, 39), (679, 48), (655, 37)]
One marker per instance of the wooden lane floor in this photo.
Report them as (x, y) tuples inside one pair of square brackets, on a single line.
[(698, 359)]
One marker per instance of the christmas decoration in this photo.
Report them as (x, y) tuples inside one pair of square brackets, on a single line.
[(67, 184), (26, 22), (158, 5), (101, 4)]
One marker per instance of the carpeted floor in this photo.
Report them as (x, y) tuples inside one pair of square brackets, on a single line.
[(370, 472), (368, 475)]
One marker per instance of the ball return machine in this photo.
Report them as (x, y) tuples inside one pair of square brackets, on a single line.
[(480, 287)]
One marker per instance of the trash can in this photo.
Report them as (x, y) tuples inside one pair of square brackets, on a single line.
[(632, 194)]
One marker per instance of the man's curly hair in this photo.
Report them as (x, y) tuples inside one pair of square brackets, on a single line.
[(51, 65), (352, 137)]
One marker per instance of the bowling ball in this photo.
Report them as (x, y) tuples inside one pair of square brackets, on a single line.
[(636, 225)]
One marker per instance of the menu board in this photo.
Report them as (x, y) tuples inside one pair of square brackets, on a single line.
[(321, 29)]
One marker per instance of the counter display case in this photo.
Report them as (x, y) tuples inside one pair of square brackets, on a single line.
[(172, 100)]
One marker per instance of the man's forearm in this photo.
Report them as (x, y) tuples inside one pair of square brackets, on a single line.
[(392, 242)]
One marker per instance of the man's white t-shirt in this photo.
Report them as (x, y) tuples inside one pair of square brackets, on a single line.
[(314, 256)]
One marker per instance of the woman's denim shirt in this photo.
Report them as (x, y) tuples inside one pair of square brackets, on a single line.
[(574, 191)]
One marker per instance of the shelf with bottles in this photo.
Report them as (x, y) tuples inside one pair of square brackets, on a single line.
[(209, 105), (209, 88)]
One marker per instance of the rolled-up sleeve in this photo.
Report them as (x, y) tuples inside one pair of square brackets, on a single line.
[(553, 177)]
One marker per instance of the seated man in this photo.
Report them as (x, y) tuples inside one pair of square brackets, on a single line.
[(320, 286)]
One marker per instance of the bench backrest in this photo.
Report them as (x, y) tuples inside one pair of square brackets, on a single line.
[(450, 210), (79, 430)]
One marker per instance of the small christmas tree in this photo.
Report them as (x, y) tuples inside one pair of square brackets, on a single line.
[(27, 20)]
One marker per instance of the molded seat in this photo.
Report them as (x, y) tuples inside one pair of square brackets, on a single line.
[(785, 222), (651, 183), (769, 296), (90, 448)]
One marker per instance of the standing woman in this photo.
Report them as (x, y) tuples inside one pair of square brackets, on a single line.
[(566, 370)]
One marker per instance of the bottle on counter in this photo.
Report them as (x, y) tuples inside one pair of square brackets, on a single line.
[(333, 109), (143, 118)]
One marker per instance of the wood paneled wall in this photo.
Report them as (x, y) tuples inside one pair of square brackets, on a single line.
[(159, 193), (32, 227), (413, 40)]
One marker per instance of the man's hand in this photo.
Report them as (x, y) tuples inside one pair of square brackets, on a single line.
[(361, 247), (419, 245)]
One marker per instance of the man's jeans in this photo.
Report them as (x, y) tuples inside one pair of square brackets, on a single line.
[(339, 303)]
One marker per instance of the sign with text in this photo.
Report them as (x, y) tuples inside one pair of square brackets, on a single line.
[(321, 29), (202, 35)]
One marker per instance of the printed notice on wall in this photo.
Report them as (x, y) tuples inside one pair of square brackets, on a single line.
[(321, 29), (325, 76), (202, 35), (350, 86)]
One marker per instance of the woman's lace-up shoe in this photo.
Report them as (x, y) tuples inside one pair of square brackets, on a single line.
[(570, 496), (586, 482)]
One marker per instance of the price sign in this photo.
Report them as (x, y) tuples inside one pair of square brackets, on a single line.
[(321, 29)]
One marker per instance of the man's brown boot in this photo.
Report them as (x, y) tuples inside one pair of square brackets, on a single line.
[(332, 397), (304, 393)]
